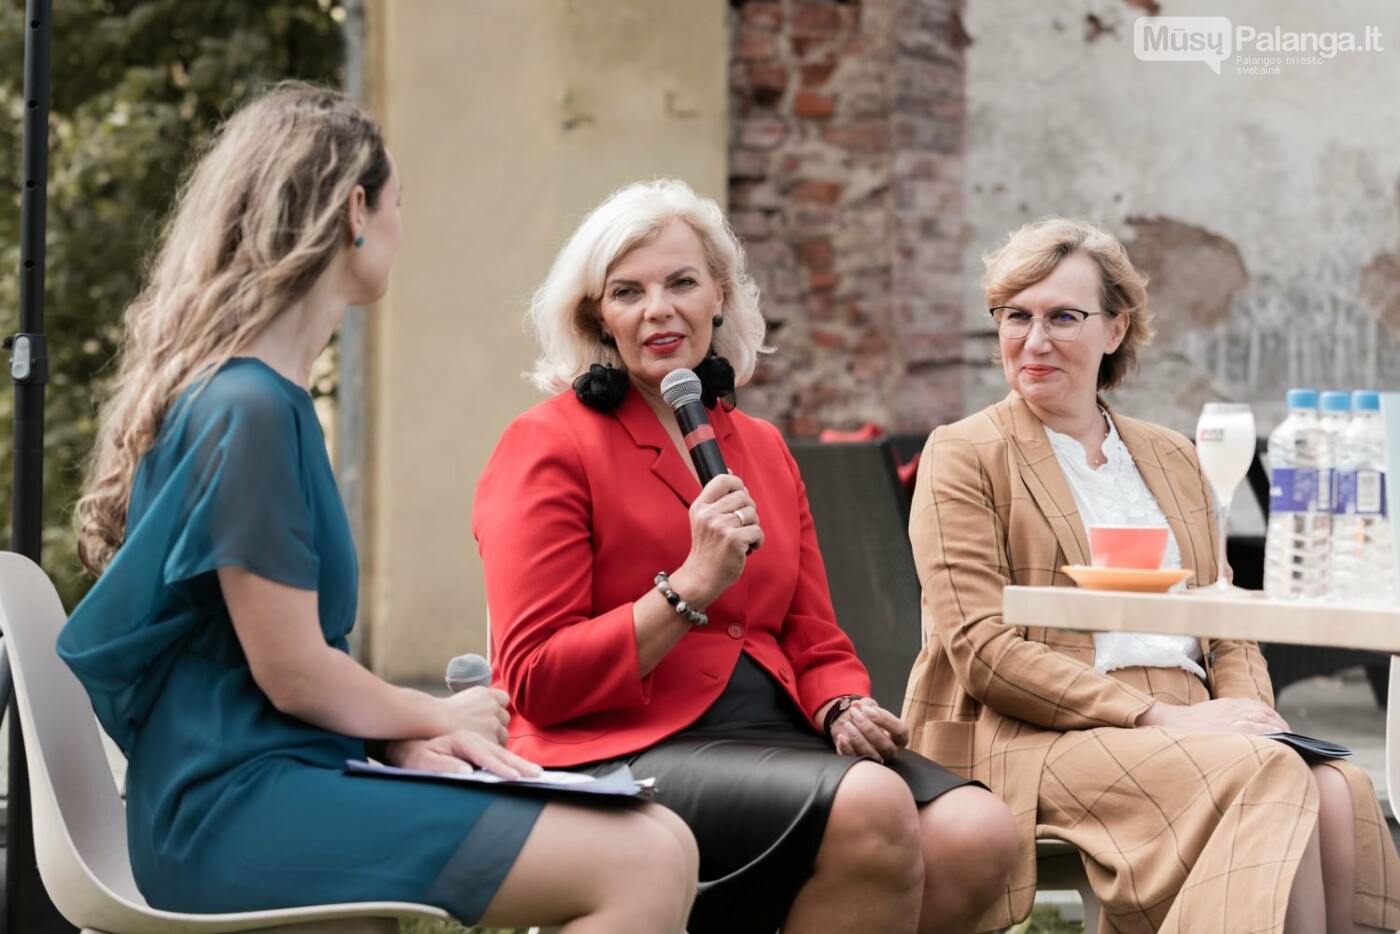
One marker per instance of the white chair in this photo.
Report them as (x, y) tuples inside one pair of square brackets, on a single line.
[(1392, 737), (80, 821)]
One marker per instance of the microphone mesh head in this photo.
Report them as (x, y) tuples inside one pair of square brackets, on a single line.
[(469, 670), (679, 387)]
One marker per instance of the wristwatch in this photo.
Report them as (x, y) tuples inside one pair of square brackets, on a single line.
[(841, 705)]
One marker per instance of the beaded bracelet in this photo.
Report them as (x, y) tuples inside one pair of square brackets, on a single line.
[(694, 616)]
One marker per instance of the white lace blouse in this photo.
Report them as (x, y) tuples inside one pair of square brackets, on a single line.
[(1115, 494)]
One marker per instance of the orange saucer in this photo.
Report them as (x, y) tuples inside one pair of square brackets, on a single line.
[(1135, 580)]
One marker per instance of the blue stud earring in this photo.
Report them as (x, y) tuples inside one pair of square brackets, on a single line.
[(359, 241)]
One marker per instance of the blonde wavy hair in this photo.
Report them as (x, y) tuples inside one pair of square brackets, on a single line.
[(1032, 253), (564, 312), (257, 222)]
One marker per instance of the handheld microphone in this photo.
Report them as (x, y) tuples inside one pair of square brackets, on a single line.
[(468, 671), (681, 391)]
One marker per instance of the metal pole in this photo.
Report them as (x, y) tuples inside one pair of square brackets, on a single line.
[(351, 434), (27, 906)]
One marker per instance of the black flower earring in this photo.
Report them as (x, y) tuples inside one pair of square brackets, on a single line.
[(604, 386), (716, 380)]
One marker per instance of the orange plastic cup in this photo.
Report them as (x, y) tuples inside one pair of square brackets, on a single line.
[(1140, 547)]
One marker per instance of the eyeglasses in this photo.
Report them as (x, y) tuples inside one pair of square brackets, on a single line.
[(1062, 324)]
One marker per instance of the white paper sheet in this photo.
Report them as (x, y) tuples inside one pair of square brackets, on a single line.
[(618, 782)]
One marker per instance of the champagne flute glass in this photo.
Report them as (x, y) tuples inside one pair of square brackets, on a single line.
[(1225, 446)]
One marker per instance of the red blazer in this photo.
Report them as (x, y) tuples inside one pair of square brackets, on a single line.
[(574, 515)]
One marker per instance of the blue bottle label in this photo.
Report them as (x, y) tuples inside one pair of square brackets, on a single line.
[(1360, 493), (1295, 489), (1343, 492)]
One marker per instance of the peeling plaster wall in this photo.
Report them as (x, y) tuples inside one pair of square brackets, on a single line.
[(1265, 207)]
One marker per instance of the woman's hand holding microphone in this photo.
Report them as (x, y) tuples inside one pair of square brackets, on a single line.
[(479, 710), (724, 529), (473, 735)]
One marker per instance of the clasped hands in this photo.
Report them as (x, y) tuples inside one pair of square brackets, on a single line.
[(473, 737), (1221, 715), (867, 729)]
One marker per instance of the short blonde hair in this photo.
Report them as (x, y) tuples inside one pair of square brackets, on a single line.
[(1032, 253), (564, 309)]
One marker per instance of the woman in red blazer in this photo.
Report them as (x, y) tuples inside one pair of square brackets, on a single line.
[(637, 617)]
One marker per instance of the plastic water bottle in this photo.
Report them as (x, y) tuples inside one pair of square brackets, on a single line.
[(1363, 569), (1297, 551), (1336, 416)]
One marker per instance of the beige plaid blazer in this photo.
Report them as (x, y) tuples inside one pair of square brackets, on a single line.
[(992, 507)]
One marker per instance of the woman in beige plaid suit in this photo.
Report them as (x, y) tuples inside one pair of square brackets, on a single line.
[(1138, 749)]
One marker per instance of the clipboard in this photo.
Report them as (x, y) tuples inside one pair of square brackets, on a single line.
[(1309, 747), (619, 783)]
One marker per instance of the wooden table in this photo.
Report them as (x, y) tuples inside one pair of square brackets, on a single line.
[(1241, 615)]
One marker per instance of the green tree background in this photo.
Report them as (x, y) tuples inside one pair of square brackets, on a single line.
[(138, 86)]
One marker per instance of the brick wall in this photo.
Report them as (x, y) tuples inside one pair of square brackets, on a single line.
[(846, 186)]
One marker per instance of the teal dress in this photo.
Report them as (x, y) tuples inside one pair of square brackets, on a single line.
[(232, 805)]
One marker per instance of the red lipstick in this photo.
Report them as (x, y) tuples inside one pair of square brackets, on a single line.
[(664, 344)]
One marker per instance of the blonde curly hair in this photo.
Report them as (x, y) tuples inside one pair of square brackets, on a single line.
[(258, 221)]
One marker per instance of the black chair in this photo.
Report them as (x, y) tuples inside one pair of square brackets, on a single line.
[(908, 446), (1290, 663), (861, 515), (1246, 552)]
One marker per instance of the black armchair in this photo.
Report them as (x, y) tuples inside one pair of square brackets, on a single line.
[(861, 514)]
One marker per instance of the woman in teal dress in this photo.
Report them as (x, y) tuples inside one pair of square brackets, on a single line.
[(213, 644)]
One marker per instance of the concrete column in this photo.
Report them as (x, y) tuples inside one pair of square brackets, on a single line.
[(509, 120)]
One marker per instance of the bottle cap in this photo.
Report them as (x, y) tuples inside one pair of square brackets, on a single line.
[(1336, 402), (1302, 398), (1366, 400)]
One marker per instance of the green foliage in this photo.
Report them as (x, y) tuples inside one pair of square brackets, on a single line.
[(1045, 919), (138, 85), (440, 927)]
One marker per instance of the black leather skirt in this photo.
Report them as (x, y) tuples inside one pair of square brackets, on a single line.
[(755, 785)]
